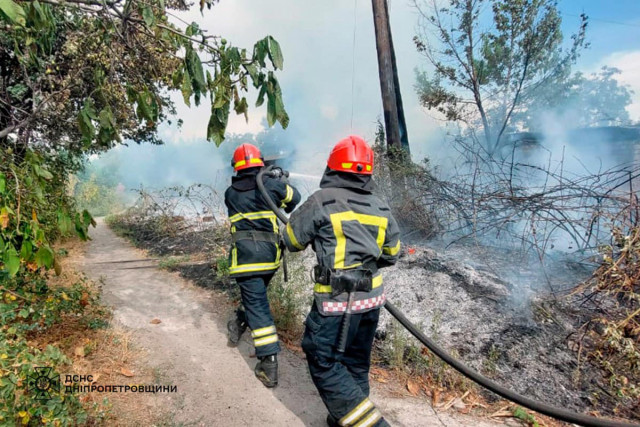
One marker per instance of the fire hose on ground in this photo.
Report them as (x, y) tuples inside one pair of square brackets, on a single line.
[(543, 408)]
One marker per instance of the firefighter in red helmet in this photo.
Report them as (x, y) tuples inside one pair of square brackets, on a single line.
[(255, 254), (353, 235)]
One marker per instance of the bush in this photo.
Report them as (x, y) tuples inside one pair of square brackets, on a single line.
[(612, 338), (29, 307), (290, 300)]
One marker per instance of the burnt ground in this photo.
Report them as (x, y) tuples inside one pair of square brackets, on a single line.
[(500, 322)]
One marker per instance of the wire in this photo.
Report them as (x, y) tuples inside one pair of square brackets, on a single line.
[(353, 59), (606, 21)]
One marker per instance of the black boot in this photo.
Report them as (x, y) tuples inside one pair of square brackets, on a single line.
[(267, 370), (332, 422), (236, 327)]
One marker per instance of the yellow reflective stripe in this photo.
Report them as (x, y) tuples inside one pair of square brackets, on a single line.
[(292, 238), (252, 161), (243, 268), (356, 413), (326, 289), (263, 331), (368, 168), (252, 215), (392, 250), (341, 241), (347, 165), (266, 340), (289, 196), (370, 420)]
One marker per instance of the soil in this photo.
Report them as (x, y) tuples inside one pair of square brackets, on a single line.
[(484, 305), (188, 349)]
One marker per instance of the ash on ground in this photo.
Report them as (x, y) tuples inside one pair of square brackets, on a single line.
[(492, 310), (509, 331)]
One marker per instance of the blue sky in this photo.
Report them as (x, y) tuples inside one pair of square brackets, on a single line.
[(317, 40)]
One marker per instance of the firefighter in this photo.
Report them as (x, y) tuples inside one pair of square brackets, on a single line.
[(255, 255), (353, 235)]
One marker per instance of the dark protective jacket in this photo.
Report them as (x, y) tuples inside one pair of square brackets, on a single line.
[(248, 211), (349, 228)]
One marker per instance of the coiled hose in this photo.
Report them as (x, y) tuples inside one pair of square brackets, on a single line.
[(552, 411)]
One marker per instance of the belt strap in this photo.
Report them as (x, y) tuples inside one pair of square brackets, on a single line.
[(256, 236)]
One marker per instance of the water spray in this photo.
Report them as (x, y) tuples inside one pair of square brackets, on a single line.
[(543, 408)]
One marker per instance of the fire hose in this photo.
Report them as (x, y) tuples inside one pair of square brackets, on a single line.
[(543, 408)]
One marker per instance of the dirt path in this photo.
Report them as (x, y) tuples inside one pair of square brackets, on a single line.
[(215, 383)]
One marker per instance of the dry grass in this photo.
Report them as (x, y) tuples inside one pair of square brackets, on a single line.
[(105, 351)]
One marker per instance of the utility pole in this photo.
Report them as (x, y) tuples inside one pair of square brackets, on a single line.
[(394, 121)]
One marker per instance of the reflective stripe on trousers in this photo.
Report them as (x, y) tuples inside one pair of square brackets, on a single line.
[(343, 379), (256, 305)]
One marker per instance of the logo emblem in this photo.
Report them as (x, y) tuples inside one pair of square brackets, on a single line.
[(43, 382)]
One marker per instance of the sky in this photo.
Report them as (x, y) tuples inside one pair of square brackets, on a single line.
[(332, 90)]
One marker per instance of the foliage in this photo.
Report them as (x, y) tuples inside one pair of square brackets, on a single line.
[(28, 309), (521, 414), (290, 300), (408, 187), (597, 99), (97, 198), (487, 76), (612, 336), (108, 67), (34, 210)]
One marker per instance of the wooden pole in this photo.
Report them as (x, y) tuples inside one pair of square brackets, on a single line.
[(394, 121)]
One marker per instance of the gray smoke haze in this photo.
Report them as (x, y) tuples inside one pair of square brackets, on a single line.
[(317, 40)]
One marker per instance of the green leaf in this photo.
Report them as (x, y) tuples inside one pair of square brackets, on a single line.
[(42, 172), (263, 92), (106, 119), (194, 66), (11, 261), (260, 51), (271, 108), (13, 11), (143, 111), (26, 250), (3, 183), (65, 225), (44, 256), (147, 15), (81, 229), (186, 89), (275, 53), (88, 219), (253, 73), (90, 109), (218, 124), (192, 30), (242, 107), (86, 125)]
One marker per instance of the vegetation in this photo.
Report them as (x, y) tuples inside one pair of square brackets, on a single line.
[(36, 311), (611, 337), (77, 78), (504, 77)]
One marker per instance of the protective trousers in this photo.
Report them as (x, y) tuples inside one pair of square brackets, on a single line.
[(343, 379), (253, 290)]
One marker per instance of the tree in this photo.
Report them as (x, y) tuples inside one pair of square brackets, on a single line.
[(80, 76), (487, 76), (107, 66), (597, 99)]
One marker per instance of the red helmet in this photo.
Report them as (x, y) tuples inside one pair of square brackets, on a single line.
[(352, 155), (246, 156)]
